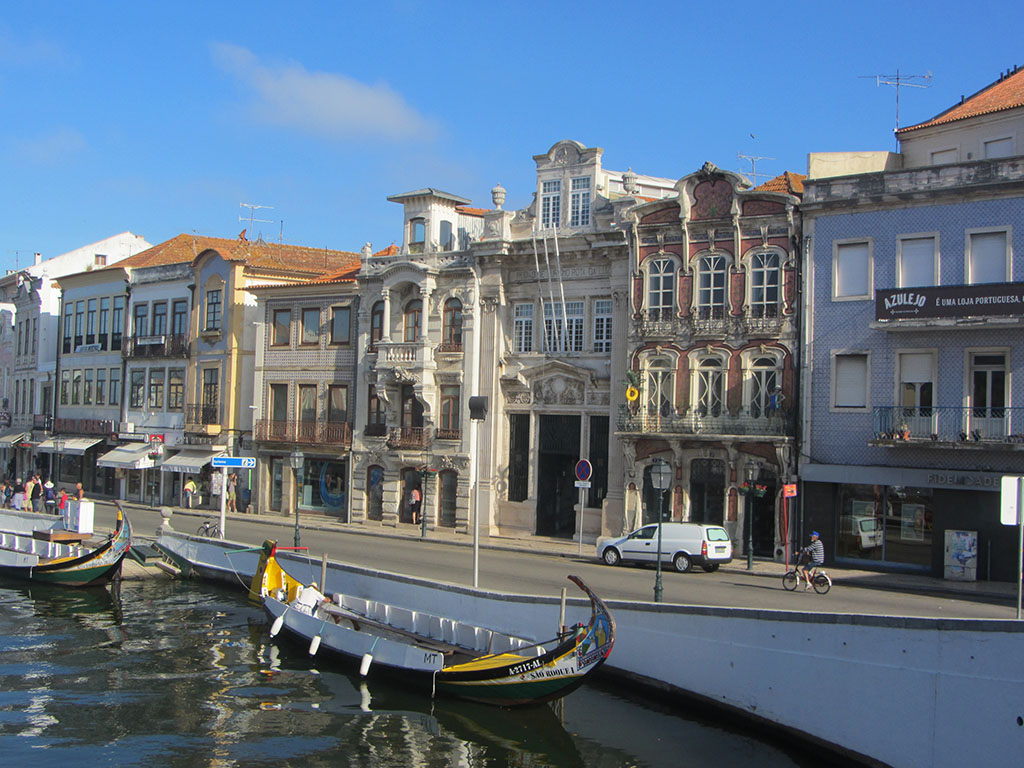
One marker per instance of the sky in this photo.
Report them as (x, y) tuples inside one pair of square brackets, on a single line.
[(164, 118)]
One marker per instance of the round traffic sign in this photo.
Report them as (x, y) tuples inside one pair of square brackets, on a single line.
[(583, 470)]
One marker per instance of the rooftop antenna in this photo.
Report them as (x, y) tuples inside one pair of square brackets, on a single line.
[(252, 212), (899, 81), (753, 164)]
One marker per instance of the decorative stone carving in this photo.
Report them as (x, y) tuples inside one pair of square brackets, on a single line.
[(458, 463), (518, 398), (558, 390), (629, 457)]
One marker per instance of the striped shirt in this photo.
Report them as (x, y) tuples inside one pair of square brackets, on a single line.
[(817, 552)]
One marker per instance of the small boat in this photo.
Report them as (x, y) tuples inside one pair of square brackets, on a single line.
[(446, 655), (52, 556)]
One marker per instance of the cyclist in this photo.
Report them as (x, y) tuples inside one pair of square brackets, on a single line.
[(815, 558)]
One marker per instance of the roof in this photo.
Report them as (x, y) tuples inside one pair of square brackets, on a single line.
[(429, 192), (471, 211), (1005, 93), (391, 250), (259, 253), (788, 183)]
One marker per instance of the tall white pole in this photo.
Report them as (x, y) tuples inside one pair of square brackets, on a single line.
[(474, 426), (1020, 543), (223, 498)]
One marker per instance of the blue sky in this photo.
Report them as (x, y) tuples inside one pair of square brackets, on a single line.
[(163, 118)]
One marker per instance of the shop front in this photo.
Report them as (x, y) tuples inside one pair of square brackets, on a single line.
[(193, 462), (134, 464), (324, 486), (73, 459)]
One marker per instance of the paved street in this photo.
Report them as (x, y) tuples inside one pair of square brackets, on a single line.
[(539, 566)]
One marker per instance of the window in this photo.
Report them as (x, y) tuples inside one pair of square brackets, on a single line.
[(90, 322), (999, 148), (710, 387), (523, 328), (115, 387), (101, 386), (179, 317), (136, 389), (661, 288), (104, 329), (213, 310), (21, 327), (851, 270), (417, 235), (448, 427), (282, 332), (116, 324), (916, 391), (375, 417), (211, 387), (659, 388), (988, 371), (599, 460), (279, 402), (79, 322), (603, 325), (944, 156), (451, 340), (156, 389), (140, 320), (413, 318), (915, 262), (551, 204), (765, 284), (100, 259), (988, 258), (337, 404), (579, 202), (307, 403), (711, 271), (65, 387), (341, 325), (376, 323), (310, 326), (764, 384), (159, 318), (850, 381), (375, 492), (518, 456), (87, 389), (76, 387), (447, 241), (563, 332), (69, 312)]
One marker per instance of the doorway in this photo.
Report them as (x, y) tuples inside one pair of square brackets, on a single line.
[(556, 491), (707, 491), (763, 518)]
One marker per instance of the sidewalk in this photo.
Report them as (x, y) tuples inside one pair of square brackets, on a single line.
[(896, 582)]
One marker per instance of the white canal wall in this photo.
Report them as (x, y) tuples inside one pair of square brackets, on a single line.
[(912, 693)]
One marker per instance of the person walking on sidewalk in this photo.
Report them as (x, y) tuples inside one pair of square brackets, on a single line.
[(815, 552), (50, 497), (37, 494), (190, 491)]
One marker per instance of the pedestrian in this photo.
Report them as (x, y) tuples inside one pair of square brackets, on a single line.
[(50, 497), (19, 494), (37, 495), (415, 500), (3, 494), (26, 499), (190, 491), (79, 492), (232, 486), (62, 501), (8, 494)]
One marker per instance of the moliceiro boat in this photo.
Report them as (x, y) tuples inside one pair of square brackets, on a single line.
[(450, 657), (52, 555)]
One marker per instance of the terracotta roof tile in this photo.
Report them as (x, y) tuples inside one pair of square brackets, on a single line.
[(789, 183), (391, 250), (1005, 93), (471, 211)]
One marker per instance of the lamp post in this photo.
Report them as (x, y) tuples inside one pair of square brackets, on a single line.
[(58, 446), (296, 459), (750, 472), (661, 479)]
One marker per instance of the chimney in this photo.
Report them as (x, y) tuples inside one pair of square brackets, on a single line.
[(38, 258)]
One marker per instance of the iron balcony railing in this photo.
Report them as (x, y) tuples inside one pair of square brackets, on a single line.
[(449, 434), (169, 345), (771, 423), (309, 432), (949, 424), (375, 430), (408, 437), (664, 324), (204, 414)]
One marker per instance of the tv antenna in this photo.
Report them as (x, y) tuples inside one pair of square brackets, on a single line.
[(898, 81), (252, 213), (753, 165)]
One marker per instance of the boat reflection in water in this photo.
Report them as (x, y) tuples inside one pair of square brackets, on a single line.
[(184, 675)]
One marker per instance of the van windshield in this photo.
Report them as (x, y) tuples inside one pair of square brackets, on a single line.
[(717, 534)]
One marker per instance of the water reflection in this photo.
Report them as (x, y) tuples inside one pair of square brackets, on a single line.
[(185, 675)]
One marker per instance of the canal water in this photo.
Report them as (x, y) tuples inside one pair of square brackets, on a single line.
[(181, 674)]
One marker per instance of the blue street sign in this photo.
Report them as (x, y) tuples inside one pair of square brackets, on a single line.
[(237, 462)]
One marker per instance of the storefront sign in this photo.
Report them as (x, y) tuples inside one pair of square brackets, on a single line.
[(950, 301), (789, 490)]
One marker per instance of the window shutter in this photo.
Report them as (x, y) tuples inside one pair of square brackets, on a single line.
[(987, 259), (851, 381), (852, 269)]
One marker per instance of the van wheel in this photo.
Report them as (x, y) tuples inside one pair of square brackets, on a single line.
[(611, 556), (711, 567), (682, 562)]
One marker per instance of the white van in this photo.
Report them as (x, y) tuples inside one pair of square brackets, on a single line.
[(682, 544)]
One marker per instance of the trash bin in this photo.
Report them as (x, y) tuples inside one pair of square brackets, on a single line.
[(243, 503)]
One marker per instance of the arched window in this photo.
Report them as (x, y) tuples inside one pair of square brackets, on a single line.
[(709, 389), (413, 320), (661, 289), (375, 493), (765, 284), (711, 272), (659, 388), (447, 241), (763, 392), (376, 323), (452, 326)]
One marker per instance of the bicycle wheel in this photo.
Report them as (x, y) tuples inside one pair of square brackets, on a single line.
[(215, 531), (822, 584), (791, 580), (203, 530)]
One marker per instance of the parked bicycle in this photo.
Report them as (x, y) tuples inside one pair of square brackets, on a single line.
[(210, 529), (820, 580)]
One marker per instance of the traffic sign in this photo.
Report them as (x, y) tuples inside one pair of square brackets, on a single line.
[(237, 462), (583, 470), (582, 483)]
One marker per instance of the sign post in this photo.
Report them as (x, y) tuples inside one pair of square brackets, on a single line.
[(224, 463), (1011, 500), (583, 472), (788, 492)]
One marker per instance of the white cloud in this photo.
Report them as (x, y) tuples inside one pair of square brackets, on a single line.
[(323, 103), (52, 148), (30, 52)]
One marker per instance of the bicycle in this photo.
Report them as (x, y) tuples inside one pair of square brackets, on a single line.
[(820, 580), (210, 529)]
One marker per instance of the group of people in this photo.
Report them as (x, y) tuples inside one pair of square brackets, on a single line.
[(37, 495), (190, 493)]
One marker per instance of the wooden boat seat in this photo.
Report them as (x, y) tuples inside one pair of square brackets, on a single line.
[(60, 535), (362, 623)]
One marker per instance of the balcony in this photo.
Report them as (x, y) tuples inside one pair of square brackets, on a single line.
[(103, 427), (304, 432), (42, 422), (775, 424), (949, 426), (375, 430), (204, 419), (415, 438), (660, 324), (175, 345), (449, 434)]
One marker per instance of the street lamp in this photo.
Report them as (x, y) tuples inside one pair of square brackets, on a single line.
[(661, 479), (296, 459), (751, 471), (58, 446)]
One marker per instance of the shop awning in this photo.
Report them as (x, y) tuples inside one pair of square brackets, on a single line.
[(11, 438), (189, 461), (131, 456), (73, 446)]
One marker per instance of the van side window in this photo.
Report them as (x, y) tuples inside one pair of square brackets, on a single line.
[(645, 533)]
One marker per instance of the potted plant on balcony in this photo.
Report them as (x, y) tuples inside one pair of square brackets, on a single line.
[(904, 433)]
